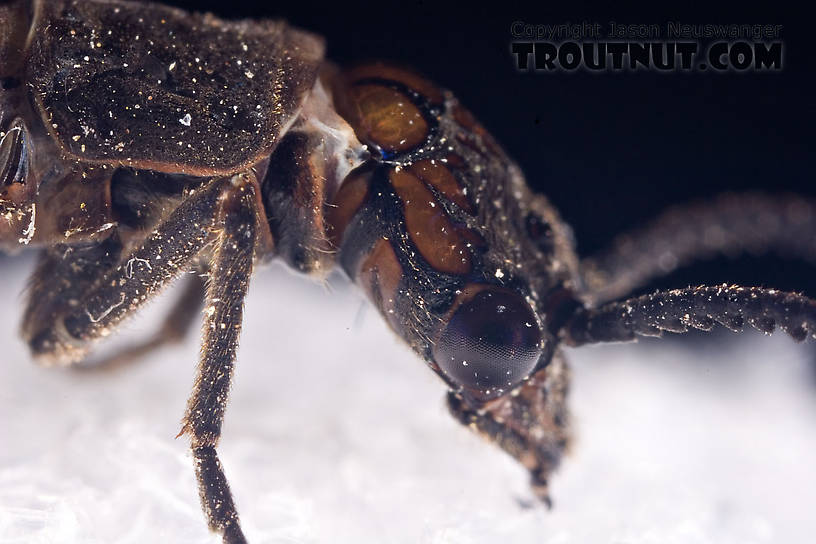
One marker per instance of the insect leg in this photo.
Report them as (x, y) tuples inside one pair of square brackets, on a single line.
[(224, 210), (531, 424), (117, 291), (695, 307), (231, 267), (730, 225), (63, 276), (173, 329)]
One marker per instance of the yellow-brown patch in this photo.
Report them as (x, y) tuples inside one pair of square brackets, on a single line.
[(380, 276), (384, 117), (438, 175), (345, 205), (429, 226)]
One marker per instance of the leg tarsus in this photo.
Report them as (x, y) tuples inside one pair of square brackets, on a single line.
[(216, 498), (540, 487)]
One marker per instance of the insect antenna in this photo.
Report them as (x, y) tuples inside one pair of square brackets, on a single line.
[(730, 224), (702, 307)]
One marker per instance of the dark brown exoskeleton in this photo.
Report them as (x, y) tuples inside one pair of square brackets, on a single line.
[(140, 142)]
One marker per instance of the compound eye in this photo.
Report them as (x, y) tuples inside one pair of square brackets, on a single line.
[(492, 341)]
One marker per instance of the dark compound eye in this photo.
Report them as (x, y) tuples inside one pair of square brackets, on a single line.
[(491, 342)]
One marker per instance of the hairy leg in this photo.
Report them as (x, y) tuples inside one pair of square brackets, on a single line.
[(231, 268), (531, 424), (695, 307), (174, 328), (730, 224), (105, 293), (222, 213)]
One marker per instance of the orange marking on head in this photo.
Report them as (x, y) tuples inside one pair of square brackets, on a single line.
[(380, 275), (438, 175), (429, 226), (346, 204), (384, 117)]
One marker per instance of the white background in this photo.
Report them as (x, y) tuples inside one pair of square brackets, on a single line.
[(337, 433)]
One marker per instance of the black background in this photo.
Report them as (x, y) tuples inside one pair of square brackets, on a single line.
[(609, 149)]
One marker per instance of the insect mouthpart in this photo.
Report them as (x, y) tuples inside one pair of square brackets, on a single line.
[(491, 342)]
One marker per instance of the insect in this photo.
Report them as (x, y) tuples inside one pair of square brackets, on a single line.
[(137, 147)]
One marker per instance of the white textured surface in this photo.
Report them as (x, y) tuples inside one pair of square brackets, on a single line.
[(336, 433)]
